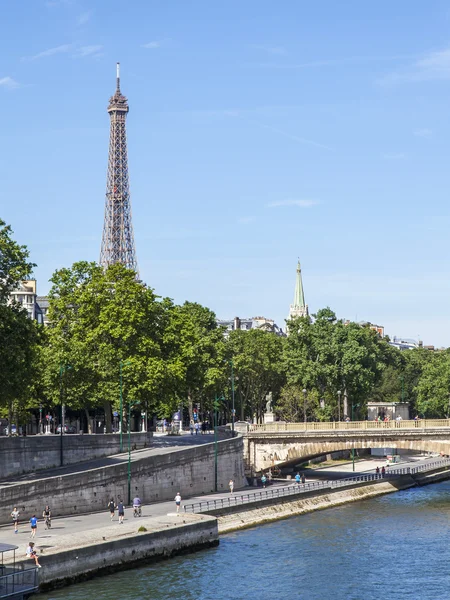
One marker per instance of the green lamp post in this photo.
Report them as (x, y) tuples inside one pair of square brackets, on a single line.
[(62, 369), (121, 364), (216, 407), (130, 404)]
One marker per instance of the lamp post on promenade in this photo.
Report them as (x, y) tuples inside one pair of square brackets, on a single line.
[(353, 449), (304, 405), (232, 398), (130, 404), (216, 407), (62, 369), (339, 405), (121, 364)]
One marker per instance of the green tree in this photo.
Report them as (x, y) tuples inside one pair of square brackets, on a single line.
[(433, 387), (102, 319), (14, 263), (195, 350), (19, 336), (258, 369), (323, 355)]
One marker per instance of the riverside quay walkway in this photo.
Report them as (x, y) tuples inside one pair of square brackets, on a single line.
[(285, 444), (297, 489)]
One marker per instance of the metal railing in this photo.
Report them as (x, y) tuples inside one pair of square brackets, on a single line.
[(24, 581), (280, 427), (296, 489)]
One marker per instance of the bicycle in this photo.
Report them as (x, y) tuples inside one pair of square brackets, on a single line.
[(48, 522), (137, 511)]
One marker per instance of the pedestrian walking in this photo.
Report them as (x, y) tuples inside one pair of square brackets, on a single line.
[(303, 478), (231, 486), (112, 508), (297, 478), (120, 511), (203, 427), (263, 480), (31, 553), (196, 427), (191, 427), (178, 501), (33, 523), (15, 517), (383, 471)]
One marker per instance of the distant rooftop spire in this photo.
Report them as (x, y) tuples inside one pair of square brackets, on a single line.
[(298, 308), (299, 296)]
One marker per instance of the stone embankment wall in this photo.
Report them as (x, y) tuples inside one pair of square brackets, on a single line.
[(158, 477), (100, 556), (273, 511), (258, 513), (20, 455)]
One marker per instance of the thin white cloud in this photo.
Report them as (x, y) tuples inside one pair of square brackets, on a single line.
[(424, 132), (54, 3), (394, 156), (332, 62), (291, 136), (63, 49), (275, 50), (246, 220), (431, 66), (83, 51), (293, 202), (84, 17), (156, 44), (8, 83)]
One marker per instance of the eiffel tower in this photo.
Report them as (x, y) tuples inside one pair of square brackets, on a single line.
[(118, 239)]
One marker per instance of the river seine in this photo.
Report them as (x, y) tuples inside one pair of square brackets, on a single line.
[(390, 548)]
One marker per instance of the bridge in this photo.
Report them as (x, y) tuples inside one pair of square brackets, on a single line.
[(285, 444)]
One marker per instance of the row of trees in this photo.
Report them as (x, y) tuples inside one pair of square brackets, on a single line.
[(110, 332)]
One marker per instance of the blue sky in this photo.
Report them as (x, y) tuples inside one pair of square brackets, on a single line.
[(258, 132)]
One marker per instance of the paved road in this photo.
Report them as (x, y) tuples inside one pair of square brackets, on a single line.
[(161, 444)]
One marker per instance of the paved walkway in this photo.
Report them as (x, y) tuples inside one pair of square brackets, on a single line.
[(74, 526)]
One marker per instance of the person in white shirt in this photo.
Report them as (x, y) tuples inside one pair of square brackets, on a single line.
[(15, 517), (31, 553), (178, 501)]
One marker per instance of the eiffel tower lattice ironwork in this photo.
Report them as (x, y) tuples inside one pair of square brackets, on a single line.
[(118, 239)]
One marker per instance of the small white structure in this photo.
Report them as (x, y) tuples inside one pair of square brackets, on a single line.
[(393, 410)]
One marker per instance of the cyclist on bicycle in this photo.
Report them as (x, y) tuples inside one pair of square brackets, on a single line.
[(47, 515), (137, 506)]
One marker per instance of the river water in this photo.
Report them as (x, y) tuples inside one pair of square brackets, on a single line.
[(390, 548)]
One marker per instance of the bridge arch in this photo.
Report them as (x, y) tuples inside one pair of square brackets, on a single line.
[(262, 453)]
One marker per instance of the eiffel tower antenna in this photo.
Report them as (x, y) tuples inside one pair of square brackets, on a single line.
[(118, 239)]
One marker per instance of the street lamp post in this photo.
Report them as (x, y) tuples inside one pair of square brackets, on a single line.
[(130, 404), (232, 398), (62, 369), (339, 405), (304, 405), (353, 449), (216, 407), (121, 364)]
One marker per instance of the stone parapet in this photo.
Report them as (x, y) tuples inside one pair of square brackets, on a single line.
[(39, 452)]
